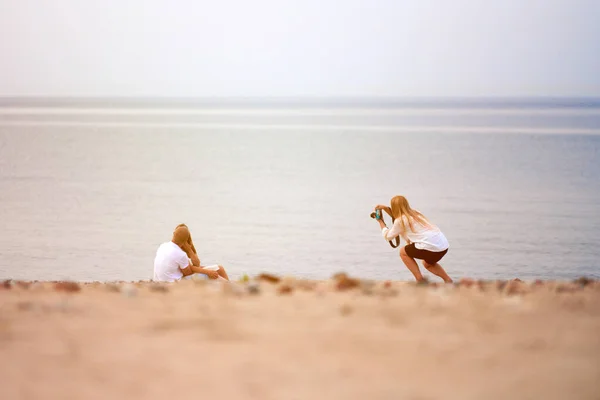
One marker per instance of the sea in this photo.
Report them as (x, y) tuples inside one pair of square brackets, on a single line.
[(89, 188)]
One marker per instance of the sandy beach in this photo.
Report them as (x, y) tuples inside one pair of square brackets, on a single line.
[(297, 339)]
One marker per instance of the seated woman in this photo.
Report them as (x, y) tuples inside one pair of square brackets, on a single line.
[(425, 241), (178, 258)]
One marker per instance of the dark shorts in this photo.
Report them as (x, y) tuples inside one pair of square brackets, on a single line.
[(431, 257)]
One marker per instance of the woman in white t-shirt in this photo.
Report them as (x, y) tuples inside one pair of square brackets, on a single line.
[(424, 240)]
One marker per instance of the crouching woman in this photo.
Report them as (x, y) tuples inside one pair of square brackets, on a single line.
[(425, 241)]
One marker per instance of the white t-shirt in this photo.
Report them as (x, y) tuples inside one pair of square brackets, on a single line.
[(424, 237), (168, 261)]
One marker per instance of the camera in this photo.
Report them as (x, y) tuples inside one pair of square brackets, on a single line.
[(376, 214)]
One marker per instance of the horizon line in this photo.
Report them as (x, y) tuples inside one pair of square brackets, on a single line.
[(302, 101)]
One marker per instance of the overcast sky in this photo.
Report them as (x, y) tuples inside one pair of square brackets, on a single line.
[(300, 48)]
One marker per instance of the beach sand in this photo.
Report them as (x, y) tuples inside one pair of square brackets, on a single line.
[(298, 339)]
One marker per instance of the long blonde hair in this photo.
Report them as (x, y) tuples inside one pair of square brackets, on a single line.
[(401, 208)]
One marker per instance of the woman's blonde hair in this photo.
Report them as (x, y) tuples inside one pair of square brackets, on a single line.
[(401, 208)]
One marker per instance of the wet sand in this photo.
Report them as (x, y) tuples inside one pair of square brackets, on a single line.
[(295, 339)]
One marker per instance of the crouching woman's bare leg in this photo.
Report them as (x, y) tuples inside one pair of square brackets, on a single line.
[(411, 264), (437, 269)]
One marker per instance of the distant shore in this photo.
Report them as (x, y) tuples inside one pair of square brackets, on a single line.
[(272, 337)]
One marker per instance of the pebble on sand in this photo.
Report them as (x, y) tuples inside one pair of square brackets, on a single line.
[(268, 278), (285, 289), (344, 282), (466, 282), (67, 286), (305, 284), (253, 288), (516, 286), (583, 281), (6, 285)]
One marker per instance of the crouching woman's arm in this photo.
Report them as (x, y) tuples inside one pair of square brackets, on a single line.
[(390, 234)]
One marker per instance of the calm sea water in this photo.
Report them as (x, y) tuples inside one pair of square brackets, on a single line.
[(89, 194)]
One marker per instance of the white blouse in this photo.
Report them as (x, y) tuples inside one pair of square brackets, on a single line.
[(424, 237)]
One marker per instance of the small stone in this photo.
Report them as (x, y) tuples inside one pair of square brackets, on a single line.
[(285, 289), (253, 288), (268, 278), (6, 284), (516, 287), (158, 287), (538, 282), (67, 286), (306, 285), (583, 281), (500, 285), (387, 284), (344, 282), (517, 280), (466, 282)]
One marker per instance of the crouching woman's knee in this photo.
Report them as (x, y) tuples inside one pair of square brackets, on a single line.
[(403, 252), (428, 265)]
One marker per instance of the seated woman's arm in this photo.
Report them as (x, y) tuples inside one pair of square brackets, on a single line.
[(191, 253), (192, 269)]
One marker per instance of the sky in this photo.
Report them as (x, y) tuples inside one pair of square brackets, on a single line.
[(303, 48)]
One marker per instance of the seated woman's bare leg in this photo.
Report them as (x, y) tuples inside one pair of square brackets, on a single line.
[(222, 273)]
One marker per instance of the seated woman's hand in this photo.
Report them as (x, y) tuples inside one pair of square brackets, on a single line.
[(212, 274)]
